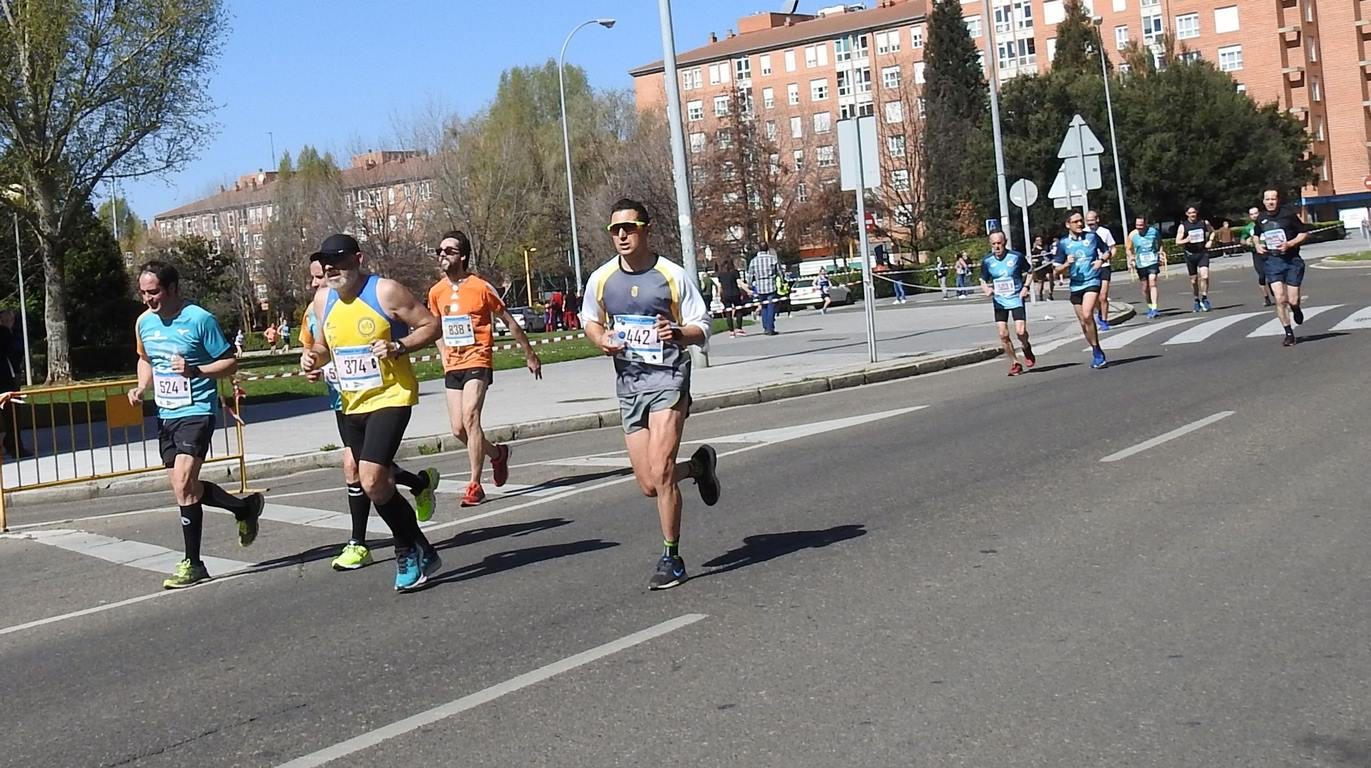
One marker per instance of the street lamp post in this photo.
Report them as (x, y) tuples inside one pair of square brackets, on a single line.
[(566, 146), (528, 276), (992, 55), (1124, 224)]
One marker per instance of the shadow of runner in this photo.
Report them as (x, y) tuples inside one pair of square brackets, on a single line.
[(1318, 337), (478, 535), (1049, 368), (768, 546), (517, 558), (1127, 360)]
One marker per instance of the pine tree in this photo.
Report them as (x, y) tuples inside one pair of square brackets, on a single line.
[(1078, 41), (956, 102)]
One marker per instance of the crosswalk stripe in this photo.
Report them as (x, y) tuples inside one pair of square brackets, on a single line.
[(510, 489), (1124, 338), (135, 554), (1355, 321), (1209, 328), (1274, 327)]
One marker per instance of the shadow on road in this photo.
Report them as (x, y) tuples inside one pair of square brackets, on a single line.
[(517, 558), (1319, 337), (478, 535), (1127, 360), (1050, 368), (768, 546)]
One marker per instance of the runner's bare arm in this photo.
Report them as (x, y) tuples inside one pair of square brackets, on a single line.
[(399, 303), (219, 369), (144, 378), (600, 337)]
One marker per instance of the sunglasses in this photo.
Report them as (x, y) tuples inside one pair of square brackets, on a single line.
[(447, 252), (1075, 221), (625, 226)]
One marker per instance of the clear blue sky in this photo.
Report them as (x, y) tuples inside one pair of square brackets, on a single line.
[(340, 74)]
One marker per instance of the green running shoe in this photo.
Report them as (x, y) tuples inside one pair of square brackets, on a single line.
[(423, 500), (187, 574), (354, 556), (247, 526)]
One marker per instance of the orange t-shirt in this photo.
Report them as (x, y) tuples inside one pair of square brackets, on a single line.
[(467, 314)]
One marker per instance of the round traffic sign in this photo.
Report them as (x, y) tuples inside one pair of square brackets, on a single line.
[(1023, 193)]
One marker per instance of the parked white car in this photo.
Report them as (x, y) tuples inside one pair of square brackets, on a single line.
[(804, 294), (528, 318)]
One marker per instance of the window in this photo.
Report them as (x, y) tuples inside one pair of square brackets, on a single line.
[(1121, 37), (1318, 130), (1012, 15), (690, 79), (1151, 26), (1309, 12), (823, 122), (1186, 57), (797, 127), (848, 48), (1323, 170), (768, 98), (1187, 26), (718, 73), (1053, 12), (720, 106), (792, 94), (973, 26), (1230, 58), (1315, 92), (1149, 3), (894, 112), (899, 179), (697, 143), (888, 41), (801, 193), (895, 145), (919, 73), (1240, 88), (1012, 54), (862, 77), (771, 130), (916, 38), (1120, 6), (818, 90), (764, 61), (1226, 19), (723, 138), (890, 77), (790, 61), (824, 156), (742, 69), (854, 110), (816, 55), (1313, 49), (695, 110), (1051, 50), (798, 159)]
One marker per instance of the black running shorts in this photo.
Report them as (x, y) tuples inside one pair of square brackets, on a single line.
[(189, 435), (1194, 261), (458, 379), (1002, 315), (376, 436)]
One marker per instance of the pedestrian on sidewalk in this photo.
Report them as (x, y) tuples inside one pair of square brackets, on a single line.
[(644, 313), (762, 273), (466, 306), (731, 294), (963, 268), (898, 284), (283, 332), (238, 340), (181, 353), (940, 271), (1042, 271)]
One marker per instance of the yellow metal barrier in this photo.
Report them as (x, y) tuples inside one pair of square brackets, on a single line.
[(88, 432)]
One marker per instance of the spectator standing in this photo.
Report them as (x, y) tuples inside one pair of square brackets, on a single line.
[(555, 307), (762, 274), (731, 290), (963, 268), (283, 333), (238, 340), (940, 271)]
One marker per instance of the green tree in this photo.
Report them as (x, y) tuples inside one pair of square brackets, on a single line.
[(129, 226), (93, 90), (957, 104), (209, 278), (307, 205), (1078, 41)]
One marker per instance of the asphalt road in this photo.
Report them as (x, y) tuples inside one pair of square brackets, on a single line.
[(950, 577)]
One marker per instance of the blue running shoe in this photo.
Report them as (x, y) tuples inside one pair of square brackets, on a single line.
[(1101, 324), (1153, 314), (1198, 307), (429, 564), (670, 572), (408, 575), (1205, 305), (1099, 361)]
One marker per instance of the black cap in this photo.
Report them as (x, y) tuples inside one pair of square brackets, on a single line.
[(335, 246)]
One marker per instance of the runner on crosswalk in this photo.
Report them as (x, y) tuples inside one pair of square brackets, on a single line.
[(355, 552), (1279, 236), (1247, 235), (1144, 248), (466, 305), (1004, 276), (1092, 224), (1081, 254), (181, 351), (1193, 235), (641, 310), (369, 325)]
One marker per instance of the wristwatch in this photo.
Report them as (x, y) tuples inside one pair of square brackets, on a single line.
[(398, 348)]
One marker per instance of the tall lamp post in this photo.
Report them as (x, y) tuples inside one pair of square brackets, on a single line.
[(15, 194), (566, 146), (528, 276), (1124, 223)]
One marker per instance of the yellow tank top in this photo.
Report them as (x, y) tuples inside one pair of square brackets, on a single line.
[(365, 382)]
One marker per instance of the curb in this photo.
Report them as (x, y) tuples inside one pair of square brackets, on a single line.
[(431, 444), (1331, 262)]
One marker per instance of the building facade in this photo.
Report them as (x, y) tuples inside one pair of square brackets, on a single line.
[(1311, 58)]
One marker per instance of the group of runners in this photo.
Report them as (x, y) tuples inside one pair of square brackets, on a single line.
[(639, 309), (1085, 252)]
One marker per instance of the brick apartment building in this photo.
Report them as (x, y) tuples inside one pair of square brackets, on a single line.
[(389, 193), (1311, 57)]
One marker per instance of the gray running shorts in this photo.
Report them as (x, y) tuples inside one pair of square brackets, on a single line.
[(634, 409)]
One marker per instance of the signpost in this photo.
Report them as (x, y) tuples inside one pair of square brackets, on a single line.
[(1023, 194), (859, 170), (1080, 152)]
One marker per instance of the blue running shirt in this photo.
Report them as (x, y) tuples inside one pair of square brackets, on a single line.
[(1005, 278), (1084, 252), (195, 335), (1146, 247)]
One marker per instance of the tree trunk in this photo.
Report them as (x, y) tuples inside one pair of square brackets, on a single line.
[(55, 314)]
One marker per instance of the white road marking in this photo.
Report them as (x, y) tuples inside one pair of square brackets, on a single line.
[(1172, 435), (1355, 321), (471, 701), (1124, 338), (509, 489), (1209, 328), (1274, 328), (592, 461), (135, 554)]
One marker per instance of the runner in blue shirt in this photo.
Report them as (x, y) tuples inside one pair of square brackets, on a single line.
[(1144, 247), (181, 351), (1081, 255), (1003, 275)]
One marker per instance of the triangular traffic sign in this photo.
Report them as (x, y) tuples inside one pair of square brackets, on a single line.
[(1079, 140)]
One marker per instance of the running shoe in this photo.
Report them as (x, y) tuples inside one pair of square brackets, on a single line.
[(1029, 359), (499, 464), (475, 495), (187, 574), (424, 500), (1289, 340), (1205, 305), (247, 526), (1298, 313), (1098, 361), (1015, 369), (1266, 301), (670, 572), (704, 465), (1101, 324), (1153, 314), (408, 575), (355, 555), (429, 564)]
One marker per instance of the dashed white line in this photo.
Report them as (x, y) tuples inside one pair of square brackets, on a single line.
[(1172, 435)]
